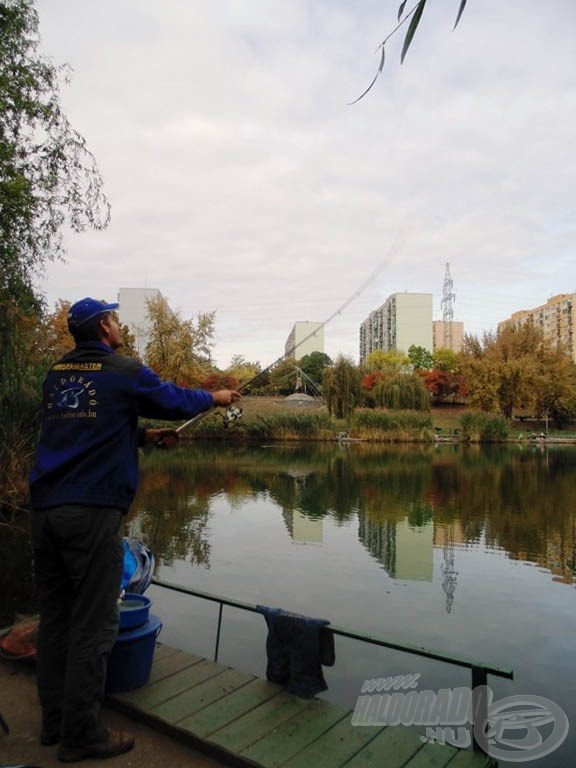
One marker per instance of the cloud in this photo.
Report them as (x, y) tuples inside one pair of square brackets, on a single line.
[(242, 181)]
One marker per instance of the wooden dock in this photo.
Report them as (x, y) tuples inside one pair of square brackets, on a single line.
[(246, 721)]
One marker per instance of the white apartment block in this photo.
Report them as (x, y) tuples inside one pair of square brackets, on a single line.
[(447, 335), (133, 312), (556, 318), (304, 338), (405, 319)]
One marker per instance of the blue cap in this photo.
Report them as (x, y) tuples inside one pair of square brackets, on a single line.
[(86, 309)]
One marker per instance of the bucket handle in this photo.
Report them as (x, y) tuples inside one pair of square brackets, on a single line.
[(158, 632)]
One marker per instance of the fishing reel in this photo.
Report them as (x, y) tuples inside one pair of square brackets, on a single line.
[(232, 413)]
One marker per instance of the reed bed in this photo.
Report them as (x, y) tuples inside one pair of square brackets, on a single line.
[(391, 426)]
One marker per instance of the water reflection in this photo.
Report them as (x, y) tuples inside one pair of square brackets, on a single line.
[(408, 501)]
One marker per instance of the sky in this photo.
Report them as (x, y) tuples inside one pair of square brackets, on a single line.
[(243, 181)]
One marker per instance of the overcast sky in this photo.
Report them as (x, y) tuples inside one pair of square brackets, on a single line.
[(241, 179)]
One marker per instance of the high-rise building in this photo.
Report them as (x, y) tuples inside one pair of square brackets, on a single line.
[(304, 338), (133, 312), (556, 318), (405, 319)]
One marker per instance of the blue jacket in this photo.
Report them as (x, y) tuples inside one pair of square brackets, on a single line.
[(88, 448)]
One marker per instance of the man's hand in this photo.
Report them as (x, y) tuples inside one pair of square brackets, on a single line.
[(162, 438), (226, 396)]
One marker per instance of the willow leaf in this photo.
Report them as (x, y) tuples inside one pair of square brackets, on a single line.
[(460, 12), (380, 68), (401, 9), (412, 28)]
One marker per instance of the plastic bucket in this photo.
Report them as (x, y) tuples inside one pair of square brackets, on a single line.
[(133, 611), (130, 661)]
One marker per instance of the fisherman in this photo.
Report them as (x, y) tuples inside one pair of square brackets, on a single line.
[(83, 481)]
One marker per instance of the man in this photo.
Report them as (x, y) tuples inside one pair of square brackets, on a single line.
[(83, 481)]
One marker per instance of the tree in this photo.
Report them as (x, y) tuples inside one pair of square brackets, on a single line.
[(314, 364), (283, 377), (178, 349), (47, 178), (415, 15), (242, 371), (390, 361), (446, 360), (512, 370), (341, 387), (442, 384), (47, 175), (420, 358)]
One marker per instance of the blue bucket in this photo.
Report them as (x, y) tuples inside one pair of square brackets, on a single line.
[(130, 661)]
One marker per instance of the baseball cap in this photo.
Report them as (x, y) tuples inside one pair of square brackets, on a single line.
[(86, 309)]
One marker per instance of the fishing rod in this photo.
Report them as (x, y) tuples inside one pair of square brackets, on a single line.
[(234, 412)]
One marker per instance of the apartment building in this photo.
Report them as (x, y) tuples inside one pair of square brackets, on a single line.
[(447, 335), (304, 338), (556, 318), (405, 319), (133, 312)]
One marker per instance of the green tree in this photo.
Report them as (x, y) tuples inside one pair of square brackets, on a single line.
[(420, 358), (341, 387), (179, 349), (48, 178), (283, 377), (314, 364)]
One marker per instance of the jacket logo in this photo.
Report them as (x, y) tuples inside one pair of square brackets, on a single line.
[(72, 397)]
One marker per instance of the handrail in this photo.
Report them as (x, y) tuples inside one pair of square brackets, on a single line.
[(344, 632), (480, 670)]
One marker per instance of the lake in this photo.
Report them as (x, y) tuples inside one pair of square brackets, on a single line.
[(469, 551)]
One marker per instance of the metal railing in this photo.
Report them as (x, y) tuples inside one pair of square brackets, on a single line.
[(479, 669)]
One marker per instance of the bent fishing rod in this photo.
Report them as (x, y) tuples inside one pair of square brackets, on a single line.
[(234, 412)]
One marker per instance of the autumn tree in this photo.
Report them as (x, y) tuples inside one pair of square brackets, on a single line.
[(179, 350), (515, 369), (446, 360), (391, 361), (341, 387), (242, 371)]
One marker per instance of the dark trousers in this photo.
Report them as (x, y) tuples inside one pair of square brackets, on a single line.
[(78, 558)]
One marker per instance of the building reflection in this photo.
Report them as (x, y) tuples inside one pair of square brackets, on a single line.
[(406, 551)]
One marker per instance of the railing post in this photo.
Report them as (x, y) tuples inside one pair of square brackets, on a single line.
[(218, 631), (479, 706)]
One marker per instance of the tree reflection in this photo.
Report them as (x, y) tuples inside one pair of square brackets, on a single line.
[(516, 499)]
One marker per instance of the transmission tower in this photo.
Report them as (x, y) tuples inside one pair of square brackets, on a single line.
[(447, 305)]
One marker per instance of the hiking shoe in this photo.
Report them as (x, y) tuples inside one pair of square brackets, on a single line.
[(114, 743), (49, 738)]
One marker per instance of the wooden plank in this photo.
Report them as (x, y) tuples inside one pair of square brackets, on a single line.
[(295, 734), (225, 711), (466, 758), (252, 726), (335, 747), (171, 665), (430, 757), (392, 746), (162, 651), (155, 693), (190, 701)]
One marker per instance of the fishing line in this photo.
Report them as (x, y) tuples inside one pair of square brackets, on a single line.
[(234, 412)]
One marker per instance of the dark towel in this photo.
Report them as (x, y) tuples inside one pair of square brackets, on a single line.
[(297, 647)]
